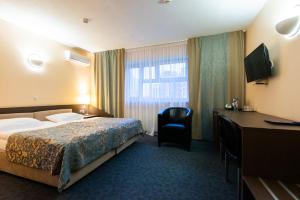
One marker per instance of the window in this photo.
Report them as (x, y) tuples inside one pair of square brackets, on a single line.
[(134, 82), (156, 77), (149, 73), (165, 82), (172, 70)]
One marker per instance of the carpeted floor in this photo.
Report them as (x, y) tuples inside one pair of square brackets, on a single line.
[(143, 171)]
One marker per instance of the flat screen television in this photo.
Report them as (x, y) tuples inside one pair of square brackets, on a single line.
[(257, 64)]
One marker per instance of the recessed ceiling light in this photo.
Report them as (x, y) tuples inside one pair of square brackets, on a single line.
[(164, 1)]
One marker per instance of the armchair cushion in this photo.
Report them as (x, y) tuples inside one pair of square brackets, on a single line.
[(174, 126)]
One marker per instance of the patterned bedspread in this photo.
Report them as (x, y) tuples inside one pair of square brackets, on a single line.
[(67, 148)]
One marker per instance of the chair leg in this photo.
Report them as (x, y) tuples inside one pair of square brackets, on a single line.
[(226, 166), (221, 152), (188, 146), (239, 182)]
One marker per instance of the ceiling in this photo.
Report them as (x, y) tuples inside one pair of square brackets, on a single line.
[(128, 23)]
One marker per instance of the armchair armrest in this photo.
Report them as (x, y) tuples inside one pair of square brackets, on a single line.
[(162, 112), (162, 119), (188, 120)]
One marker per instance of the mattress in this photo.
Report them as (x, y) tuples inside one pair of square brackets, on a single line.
[(5, 136)]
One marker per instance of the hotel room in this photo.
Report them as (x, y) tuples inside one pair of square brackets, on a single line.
[(151, 99)]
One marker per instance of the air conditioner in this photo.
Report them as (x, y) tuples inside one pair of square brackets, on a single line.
[(77, 58)]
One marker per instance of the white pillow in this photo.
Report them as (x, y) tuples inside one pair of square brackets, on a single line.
[(14, 124), (65, 117)]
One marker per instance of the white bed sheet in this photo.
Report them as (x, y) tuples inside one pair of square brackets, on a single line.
[(4, 136), (44, 124)]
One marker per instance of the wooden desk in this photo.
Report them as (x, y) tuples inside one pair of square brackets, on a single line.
[(268, 151), (266, 189)]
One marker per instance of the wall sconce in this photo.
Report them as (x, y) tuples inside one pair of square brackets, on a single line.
[(289, 27), (35, 62)]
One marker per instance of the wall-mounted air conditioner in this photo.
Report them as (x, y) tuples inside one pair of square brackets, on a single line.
[(77, 58)]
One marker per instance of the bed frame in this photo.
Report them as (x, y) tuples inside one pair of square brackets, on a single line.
[(45, 176)]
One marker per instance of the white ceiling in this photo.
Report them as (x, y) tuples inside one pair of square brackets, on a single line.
[(128, 23)]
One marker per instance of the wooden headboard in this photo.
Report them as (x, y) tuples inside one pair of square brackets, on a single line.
[(75, 108)]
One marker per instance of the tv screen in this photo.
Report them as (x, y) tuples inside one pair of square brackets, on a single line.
[(258, 64)]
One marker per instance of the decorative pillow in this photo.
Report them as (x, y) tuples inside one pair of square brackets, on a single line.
[(65, 117)]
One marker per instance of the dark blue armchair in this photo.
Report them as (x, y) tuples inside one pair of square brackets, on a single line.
[(175, 126)]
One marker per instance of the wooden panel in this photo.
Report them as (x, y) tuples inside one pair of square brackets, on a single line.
[(257, 189), (294, 188), (76, 108), (278, 190), (268, 189), (268, 150), (16, 115), (255, 120), (271, 154)]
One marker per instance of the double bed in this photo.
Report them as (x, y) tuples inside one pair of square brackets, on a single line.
[(60, 154)]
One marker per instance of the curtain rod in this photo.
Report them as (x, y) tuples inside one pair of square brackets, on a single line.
[(157, 45)]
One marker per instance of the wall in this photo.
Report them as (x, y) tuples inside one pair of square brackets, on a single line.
[(60, 81), (281, 97)]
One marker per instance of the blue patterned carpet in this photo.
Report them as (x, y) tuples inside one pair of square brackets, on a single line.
[(143, 171)]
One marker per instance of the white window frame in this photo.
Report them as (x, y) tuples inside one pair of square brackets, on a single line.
[(159, 80)]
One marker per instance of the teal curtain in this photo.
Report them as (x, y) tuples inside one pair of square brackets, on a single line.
[(109, 75), (221, 75), (213, 79)]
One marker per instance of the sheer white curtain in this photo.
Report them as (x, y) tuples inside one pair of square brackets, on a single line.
[(155, 78)]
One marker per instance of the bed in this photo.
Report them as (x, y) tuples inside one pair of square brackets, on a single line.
[(60, 154)]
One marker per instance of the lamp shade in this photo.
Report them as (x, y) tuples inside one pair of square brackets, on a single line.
[(84, 99), (289, 27)]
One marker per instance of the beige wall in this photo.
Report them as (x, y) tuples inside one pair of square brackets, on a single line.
[(60, 82), (281, 97)]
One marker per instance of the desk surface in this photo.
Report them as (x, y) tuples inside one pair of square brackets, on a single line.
[(255, 120)]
